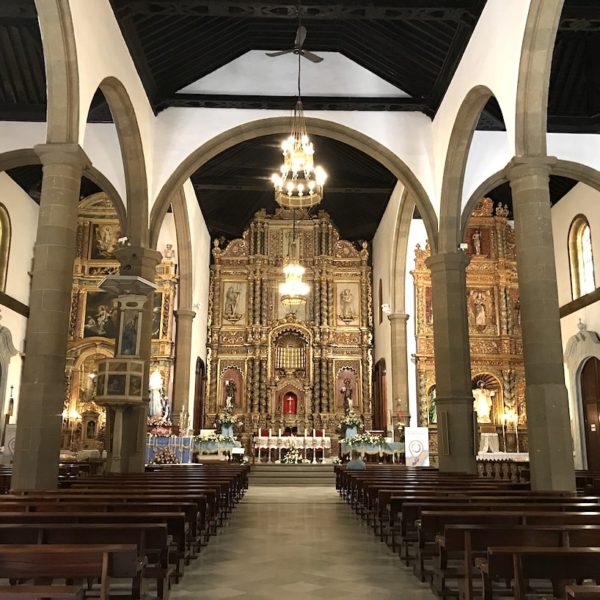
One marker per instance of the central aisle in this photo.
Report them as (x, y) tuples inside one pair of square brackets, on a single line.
[(297, 542)]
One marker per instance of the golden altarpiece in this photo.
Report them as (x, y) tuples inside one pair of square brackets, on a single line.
[(496, 346), (94, 318), (290, 369)]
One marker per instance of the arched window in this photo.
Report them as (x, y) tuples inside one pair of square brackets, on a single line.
[(5, 233), (581, 257)]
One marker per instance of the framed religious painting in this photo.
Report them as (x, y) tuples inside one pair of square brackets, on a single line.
[(100, 316), (104, 238)]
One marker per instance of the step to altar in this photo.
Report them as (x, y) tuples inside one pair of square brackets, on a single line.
[(293, 475)]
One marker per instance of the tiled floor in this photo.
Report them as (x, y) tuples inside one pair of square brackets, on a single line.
[(297, 542)]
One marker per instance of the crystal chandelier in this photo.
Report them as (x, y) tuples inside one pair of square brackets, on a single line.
[(293, 291), (299, 184)]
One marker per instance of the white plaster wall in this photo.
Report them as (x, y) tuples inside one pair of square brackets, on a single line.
[(23, 212), (17, 135), (168, 235), (101, 144), (180, 131), (491, 59), (580, 200), (201, 246), (102, 52), (416, 235), (583, 148), (488, 154), (383, 256)]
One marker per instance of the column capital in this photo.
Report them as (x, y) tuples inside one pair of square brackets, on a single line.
[(62, 154), (445, 261), (185, 313), (398, 317), (527, 166)]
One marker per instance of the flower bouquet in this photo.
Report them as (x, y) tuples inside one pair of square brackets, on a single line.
[(351, 424), (293, 457), (367, 439), (159, 427), (165, 456)]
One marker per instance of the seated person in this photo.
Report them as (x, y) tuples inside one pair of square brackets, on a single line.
[(357, 463)]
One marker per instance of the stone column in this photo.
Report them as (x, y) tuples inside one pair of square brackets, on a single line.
[(398, 323), (452, 362), (139, 261), (43, 383), (183, 358), (548, 425)]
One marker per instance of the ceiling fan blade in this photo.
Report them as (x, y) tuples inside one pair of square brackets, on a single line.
[(300, 36), (278, 53), (312, 57)]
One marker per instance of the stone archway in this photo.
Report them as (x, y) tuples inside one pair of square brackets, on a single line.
[(456, 165), (280, 125), (27, 156), (534, 77)]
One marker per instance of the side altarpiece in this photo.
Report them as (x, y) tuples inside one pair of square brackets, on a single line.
[(494, 318), (290, 369)]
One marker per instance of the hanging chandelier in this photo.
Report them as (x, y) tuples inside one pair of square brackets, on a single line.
[(293, 291), (299, 184)]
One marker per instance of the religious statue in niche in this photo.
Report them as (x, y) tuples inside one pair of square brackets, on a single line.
[(106, 240), (129, 334), (347, 310), (230, 307), (169, 252), (346, 391), (481, 309), (476, 237), (482, 402), (230, 389)]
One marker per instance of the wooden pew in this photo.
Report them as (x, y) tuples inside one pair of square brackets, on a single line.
[(38, 592), (582, 592), (151, 539), (72, 562), (520, 564), (464, 543)]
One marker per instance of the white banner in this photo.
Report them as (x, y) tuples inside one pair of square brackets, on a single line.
[(416, 444)]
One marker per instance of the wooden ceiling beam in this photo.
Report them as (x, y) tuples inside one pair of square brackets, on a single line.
[(274, 9)]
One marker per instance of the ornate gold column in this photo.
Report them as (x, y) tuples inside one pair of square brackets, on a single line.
[(43, 384)]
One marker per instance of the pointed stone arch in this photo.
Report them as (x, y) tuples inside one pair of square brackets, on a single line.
[(132, 155), (534, 77)]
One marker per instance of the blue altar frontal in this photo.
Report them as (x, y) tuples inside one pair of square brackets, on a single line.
[(183, 447)]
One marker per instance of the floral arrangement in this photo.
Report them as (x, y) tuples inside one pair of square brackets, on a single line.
[(351, 419), (367, 439), (165, 456), (159, 426), (216, 438), (228, 419), (293, 457)]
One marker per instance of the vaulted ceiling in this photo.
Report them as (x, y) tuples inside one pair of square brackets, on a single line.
[(413, 45)]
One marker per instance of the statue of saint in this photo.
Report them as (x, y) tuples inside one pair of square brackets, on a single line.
[(482, 403), (476, 237), (230, 388), (346, 305), (347, 392), (231, 299)]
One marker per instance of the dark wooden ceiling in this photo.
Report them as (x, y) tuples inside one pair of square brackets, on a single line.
[(414, 45)]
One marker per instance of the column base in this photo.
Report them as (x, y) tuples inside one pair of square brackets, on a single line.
[(550, 441), (456, 437)]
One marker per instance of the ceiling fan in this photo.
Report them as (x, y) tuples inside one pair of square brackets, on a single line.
[(298, 47)]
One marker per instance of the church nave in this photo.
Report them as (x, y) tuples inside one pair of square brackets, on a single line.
[(297, 542)]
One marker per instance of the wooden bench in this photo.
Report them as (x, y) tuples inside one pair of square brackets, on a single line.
[(519, 564), (38, 592), (74, 562), (582, 592)]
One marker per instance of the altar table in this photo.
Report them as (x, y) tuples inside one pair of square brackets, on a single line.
[(285, 442), (503, 456), (393, 449), (180, 446)]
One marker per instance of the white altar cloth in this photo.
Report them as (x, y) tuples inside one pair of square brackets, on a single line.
[(285, 442), (489, 442), (498, 456)]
